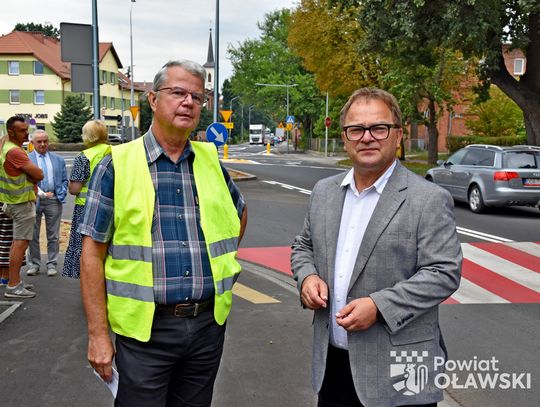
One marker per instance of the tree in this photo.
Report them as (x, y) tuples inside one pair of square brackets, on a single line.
[(146, 115), (498, 116), (48, 29), (423, 74), (269, 60), (73, 114), (476, 28), (338, 66)]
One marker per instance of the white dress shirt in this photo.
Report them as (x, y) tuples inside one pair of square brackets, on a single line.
[(355, 216), (45, 163)]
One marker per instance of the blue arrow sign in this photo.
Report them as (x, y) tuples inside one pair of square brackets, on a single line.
[(290, 119), (217, 133)]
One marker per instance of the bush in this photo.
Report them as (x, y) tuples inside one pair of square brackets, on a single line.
[(455, 143)]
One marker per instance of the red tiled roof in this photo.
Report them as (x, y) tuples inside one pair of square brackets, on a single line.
[(46, 49), (125, 83)]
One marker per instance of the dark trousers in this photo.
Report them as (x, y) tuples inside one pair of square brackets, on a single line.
[(338, 388), (176, 368)]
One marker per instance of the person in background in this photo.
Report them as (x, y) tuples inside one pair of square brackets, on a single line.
[(377, 255), (6, 239), (162, 225), (52, 192), (95, 136), (18, 178)]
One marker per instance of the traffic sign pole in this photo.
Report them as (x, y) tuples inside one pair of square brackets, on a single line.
[(327, 124)]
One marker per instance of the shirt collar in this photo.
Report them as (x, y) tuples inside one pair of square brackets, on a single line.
[(154, 149), (379, 184)]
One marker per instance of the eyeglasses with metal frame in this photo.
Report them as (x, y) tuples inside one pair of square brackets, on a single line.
[(379, 131), (181, 94)]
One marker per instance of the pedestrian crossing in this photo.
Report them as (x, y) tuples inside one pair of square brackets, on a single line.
[(492, 273)]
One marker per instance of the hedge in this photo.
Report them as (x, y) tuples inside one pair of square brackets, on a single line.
[(455, 143)]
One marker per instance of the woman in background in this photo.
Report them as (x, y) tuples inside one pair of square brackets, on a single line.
[(95, 136)]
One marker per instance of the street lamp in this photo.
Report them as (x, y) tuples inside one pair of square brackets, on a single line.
[(282, 86), (232, 100), (131, 70)]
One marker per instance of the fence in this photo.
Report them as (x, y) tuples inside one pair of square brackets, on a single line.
[(335, 145)]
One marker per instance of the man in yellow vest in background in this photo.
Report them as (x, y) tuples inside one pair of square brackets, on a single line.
[(18, 178), (161, 229)]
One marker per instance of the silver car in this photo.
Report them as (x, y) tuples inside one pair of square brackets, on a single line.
[(484, 175)]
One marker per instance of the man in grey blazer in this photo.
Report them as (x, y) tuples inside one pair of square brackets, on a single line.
[(52, 191), (376, 256)]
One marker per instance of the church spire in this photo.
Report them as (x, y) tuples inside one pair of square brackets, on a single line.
[(210, 59)]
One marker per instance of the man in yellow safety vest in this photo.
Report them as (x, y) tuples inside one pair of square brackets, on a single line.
[(162, 225)]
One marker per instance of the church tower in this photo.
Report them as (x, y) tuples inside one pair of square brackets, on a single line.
[(210, 66)]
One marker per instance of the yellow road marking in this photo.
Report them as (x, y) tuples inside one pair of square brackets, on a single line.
[(252, 295)]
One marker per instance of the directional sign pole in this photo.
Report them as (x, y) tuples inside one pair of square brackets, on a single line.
[(326, 125)]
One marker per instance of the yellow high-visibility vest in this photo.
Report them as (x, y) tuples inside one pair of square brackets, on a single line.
[(94, 154), (14, 190), (128, 266)]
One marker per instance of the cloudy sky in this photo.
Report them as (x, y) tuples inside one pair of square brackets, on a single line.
[(162, 29)]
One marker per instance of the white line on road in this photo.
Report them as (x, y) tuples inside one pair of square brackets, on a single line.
[(503, 267), (527, 247), (471, 293)]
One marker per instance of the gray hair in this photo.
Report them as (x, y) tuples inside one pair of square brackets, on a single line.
[(192, 67), (37, 132), (372, 94), (94, 132)]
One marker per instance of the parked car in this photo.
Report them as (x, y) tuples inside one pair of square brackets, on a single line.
[(115, 138), (485, 175)]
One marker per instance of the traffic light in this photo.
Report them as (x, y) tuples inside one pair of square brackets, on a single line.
[(128, 73), (119, 120)]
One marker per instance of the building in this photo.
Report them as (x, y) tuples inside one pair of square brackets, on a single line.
[(34, 82), (210, 68)]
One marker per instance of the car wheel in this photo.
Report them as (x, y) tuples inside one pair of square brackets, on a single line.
[(476, 202), (429, 178)]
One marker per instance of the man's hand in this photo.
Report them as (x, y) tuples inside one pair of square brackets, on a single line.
[(314, 292), (100, 356), (358, 315)]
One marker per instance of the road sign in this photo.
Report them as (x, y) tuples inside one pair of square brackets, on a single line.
[(281, 126), (134, 112), (228, 125), (226, 114), (290, 119), (217, 133), (289, 126), (327, 121)]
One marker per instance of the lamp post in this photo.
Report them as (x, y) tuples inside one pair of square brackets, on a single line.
[(282, 86), (232, 100), (131, 69)]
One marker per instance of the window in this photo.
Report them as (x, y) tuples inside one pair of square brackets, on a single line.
[(209, 78), (521, 159), (519, 66), (479, 157), (39, 97), (455, 159), (104, 102), (112, 103), (13, 68), (104, 76), (112, 78), (38, 68), (14, 97)]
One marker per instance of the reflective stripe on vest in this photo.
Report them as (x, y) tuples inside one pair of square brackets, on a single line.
[(94, 155), (128, 266), (14, 189)]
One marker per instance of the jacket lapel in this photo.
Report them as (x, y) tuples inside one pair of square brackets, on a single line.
[(334, 207), (390, 200)]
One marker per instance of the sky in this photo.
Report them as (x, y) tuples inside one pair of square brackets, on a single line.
[(162, 29)]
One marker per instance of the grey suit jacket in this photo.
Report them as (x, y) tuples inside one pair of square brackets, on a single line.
[(408, 263)]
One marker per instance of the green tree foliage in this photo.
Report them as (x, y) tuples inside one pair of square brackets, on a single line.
[(47, 29), (146, 115), (499, 116), (269, 60), (73, 114), (326, 37), (476, 28)]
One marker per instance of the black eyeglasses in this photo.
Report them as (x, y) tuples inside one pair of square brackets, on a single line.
[(379, 131), (181, 94)]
